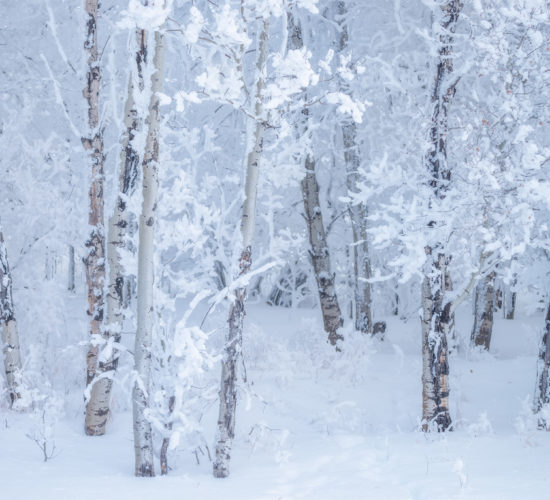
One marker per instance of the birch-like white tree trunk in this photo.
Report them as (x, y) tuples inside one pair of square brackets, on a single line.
[(436, 313), (143, 439), (11, 349), (233, 341), (320, 254), (542, 388), (358, 212), (435, 357), (483, 312), (509, 301), (97, 407), (95, 258), (71, 271)]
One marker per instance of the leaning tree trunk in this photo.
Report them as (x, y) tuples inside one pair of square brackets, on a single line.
[(436, 313), (483, 313), (97, 407), (332, 316), (233, 341), (10, 337), (95, 258), (143, 440), (358, 212), (320, 255), (542, 389)]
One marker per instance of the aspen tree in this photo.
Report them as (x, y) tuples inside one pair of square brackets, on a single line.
[(320, 254), (357, 211), (10, 337), (509, 302), (143, 441), (97, 407), (542, 388), (484, 303), (95, 258), (233, 341), (436, 314)]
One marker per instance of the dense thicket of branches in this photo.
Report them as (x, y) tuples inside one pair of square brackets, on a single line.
[(358, 158)]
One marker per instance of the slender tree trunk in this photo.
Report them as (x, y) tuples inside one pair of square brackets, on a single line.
[(233, 341), (97, 407), (143, 441), (483, 315), (320, 255), (510, 300), (358, 212), (450, 331), (166, 441), (499, 296), (95, 259), (435, 311), (71, 271), (396, 301), (542, 389), (435, 359), (10, 337)]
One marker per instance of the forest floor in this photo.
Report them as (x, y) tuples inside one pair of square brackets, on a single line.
[(319, 425)]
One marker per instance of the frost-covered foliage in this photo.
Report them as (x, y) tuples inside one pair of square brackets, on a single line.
[(377, 76), (497, 151)]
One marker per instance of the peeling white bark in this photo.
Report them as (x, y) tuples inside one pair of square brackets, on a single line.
[(95, 259), (143, 441), (320, 256), (435, 359)]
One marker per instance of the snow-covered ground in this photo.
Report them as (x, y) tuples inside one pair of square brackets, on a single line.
[(318, 425)]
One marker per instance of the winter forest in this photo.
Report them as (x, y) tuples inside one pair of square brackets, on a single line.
[(274, 249)]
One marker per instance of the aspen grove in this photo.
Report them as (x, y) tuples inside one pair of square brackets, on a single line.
[(275, 249)]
